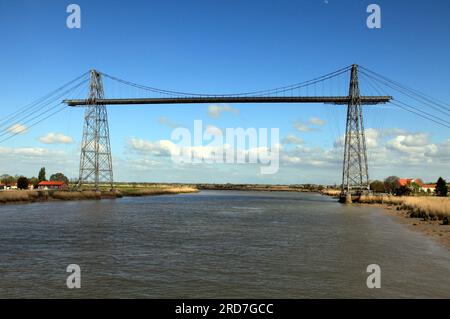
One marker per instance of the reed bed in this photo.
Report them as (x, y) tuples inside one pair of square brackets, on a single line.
[(12, 196), (423, 207), (330, 192), (17, 196), (75, 195), (158, 191)]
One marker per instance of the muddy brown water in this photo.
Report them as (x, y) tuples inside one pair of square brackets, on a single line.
[(215, 244)]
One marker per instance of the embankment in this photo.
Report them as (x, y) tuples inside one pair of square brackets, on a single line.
[(259, 187), (157, 191), (426, 207), (21, 196), (29, 196)]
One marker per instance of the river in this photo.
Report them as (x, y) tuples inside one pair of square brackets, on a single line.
[(215, 244)]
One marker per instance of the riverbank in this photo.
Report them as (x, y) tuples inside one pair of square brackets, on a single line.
[(30, 196)]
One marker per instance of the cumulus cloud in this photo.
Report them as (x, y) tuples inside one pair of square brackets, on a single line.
[(55, 138), (317, 121), (216, 110), (157, 148), (18, 129), (310, 125), (412, 144), (29, 151), (390, 152), (292, 140), (372, 137), (304, 127)]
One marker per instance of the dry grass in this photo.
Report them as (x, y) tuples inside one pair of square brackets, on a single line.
[(11, 196), (17, 196), (331, 192), (158, 191), (66, 195), (423, 207), (14, 196)]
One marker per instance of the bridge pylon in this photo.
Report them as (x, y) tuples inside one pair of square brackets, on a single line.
[(355, 172), (95, 158)]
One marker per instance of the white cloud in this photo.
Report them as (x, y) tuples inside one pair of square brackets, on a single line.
[(303, 127), (372, 137), (158, 148), (29, 151), (292, 140), (412, 144), (215, 110), (55, 138), (390, 152), (317, 121), (310, 125), (18, 129)]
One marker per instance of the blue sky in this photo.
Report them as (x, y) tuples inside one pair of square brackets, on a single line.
[(225, 46)]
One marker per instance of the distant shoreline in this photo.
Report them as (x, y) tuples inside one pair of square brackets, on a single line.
[(140, 189), (260, 187)]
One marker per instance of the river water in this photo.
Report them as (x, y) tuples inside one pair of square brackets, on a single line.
[(219, 244)]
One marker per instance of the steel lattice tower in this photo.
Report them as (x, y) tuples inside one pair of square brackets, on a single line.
[(355, 175), (95, 159)]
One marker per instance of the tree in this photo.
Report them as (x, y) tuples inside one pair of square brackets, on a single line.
[(441, 187), (22, 182), (59, 177), (33, 181), (377, 187), (8, 180), (41, 176), (391, 184), (403, 191), (416, 187)]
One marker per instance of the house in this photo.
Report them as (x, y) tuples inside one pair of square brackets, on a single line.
[(10, 186), (410, 181), (52, 185), (428, 188)]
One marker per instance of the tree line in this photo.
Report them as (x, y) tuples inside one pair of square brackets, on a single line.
[(391, 185), (24, 182)]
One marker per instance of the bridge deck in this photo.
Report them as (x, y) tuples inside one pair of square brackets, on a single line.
[(231, 99)]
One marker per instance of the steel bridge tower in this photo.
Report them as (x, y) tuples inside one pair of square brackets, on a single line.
[(95, 159), (355, 172)]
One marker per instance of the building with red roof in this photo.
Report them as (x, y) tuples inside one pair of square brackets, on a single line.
[(409, 181), (428, 188), (52, 185)]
